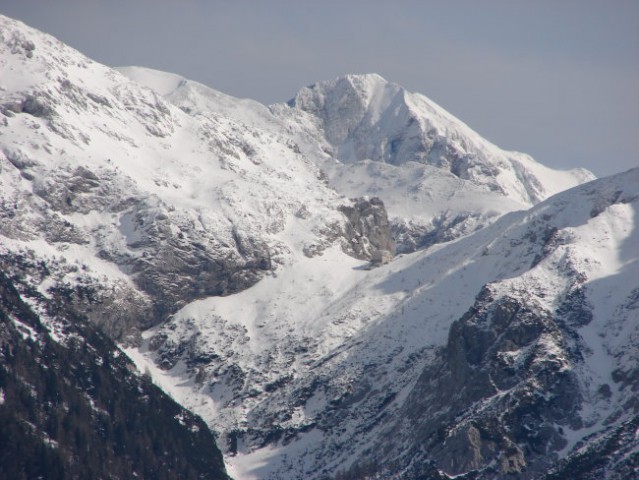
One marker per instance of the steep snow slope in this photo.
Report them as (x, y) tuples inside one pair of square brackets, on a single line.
[(530, 322)]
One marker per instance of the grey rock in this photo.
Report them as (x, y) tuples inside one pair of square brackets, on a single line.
[(494, 388), (367, 229)]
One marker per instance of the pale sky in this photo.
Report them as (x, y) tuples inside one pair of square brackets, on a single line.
[(558, 79)]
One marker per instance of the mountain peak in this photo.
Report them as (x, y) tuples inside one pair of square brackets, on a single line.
[(364, 86), (362, 83), (365, 117)]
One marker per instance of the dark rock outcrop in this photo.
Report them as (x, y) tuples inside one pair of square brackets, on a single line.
[(613, 455), (499, 394)]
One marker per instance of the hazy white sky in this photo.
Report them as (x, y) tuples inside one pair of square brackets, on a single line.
[(558, 79)]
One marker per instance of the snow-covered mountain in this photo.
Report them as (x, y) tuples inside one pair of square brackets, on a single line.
[(371, 137), (228, 246), (133, 193), (365, 117)]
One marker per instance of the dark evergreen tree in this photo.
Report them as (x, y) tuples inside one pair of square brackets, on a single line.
[(77, 409)]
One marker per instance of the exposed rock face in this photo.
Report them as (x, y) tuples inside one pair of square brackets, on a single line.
[(534, 365), (411, 236), (613, 455), (169, 255), (503, 381), (116, 306), (174, 266), (367, 228)]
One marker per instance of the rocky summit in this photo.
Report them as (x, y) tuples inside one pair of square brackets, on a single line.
[(352, 284)]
